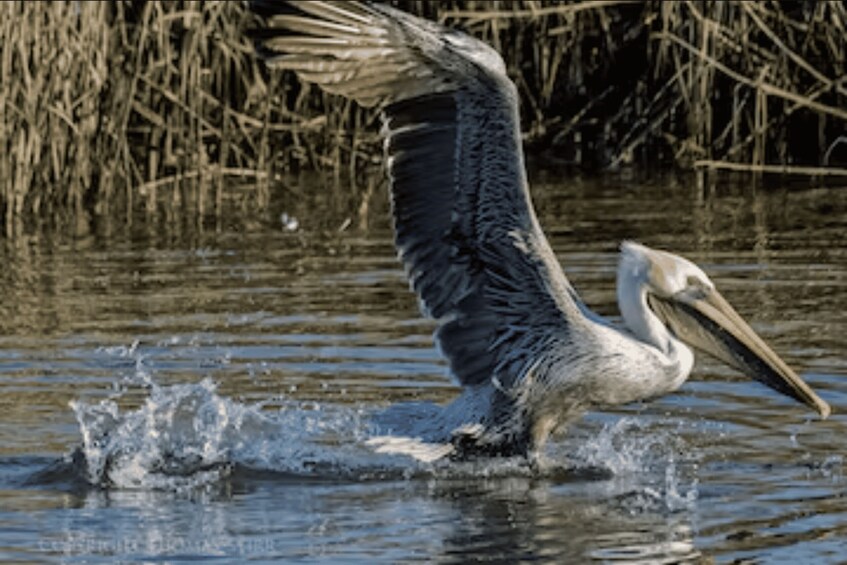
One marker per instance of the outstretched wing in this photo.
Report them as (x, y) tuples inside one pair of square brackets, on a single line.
[(465, 227)]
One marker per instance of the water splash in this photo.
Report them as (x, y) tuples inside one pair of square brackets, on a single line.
[(186, 436), (181, 436), (650, 469)]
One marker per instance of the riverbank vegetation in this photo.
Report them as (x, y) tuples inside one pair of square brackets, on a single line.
[(126, 110)]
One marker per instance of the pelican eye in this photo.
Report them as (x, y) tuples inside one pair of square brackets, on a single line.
[(696, 288)]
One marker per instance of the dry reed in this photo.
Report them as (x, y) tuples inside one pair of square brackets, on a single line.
[(128, 110), (108, 109)]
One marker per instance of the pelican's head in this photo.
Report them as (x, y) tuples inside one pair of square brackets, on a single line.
[(660, 292)]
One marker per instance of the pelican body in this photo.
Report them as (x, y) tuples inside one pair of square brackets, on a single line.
[(529, 354)]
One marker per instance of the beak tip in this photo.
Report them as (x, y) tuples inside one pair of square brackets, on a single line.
[(824, 409)]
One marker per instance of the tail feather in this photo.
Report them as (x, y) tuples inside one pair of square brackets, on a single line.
[(412, 447)]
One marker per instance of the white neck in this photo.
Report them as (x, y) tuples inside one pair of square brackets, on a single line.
[(638, 317), (675, 359), (647, 328)]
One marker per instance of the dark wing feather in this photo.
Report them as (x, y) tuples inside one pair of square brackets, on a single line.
[(465, 227)]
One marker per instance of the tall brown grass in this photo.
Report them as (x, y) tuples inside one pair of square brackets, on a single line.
[(108, 109), (128, 110)]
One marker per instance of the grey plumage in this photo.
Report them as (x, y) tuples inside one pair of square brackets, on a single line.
[(528, 352)]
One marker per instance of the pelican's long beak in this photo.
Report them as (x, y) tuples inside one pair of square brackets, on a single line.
[(707, 322)]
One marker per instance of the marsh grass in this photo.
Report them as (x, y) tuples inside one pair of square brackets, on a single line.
[(129, 111)]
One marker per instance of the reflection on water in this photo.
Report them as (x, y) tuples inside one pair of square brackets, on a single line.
[(219, 387)]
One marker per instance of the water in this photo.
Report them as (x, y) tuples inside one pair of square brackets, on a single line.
[(180, 395)]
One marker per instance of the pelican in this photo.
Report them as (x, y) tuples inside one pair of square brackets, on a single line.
[(530, 356)]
